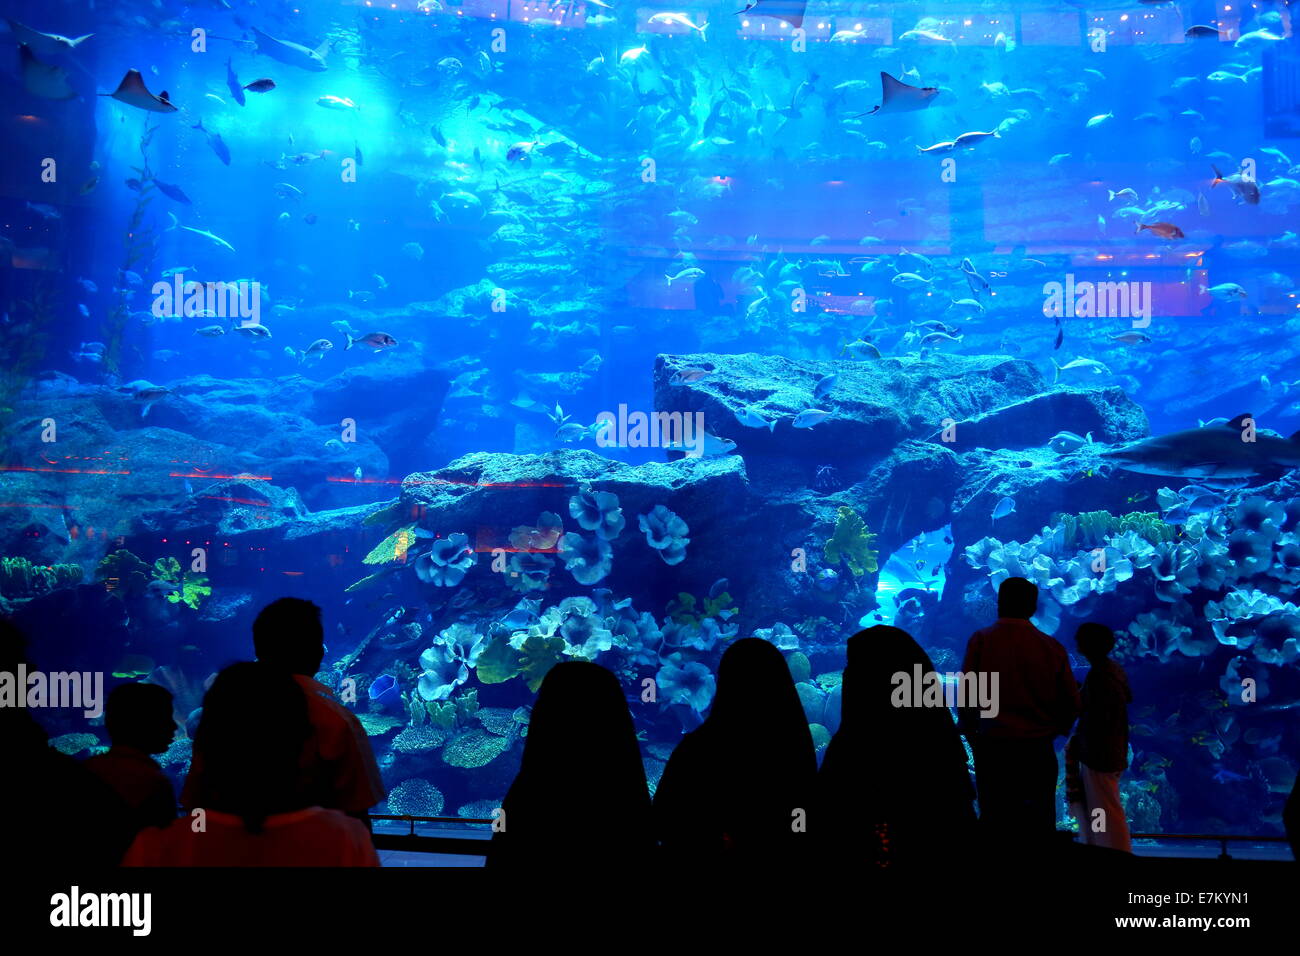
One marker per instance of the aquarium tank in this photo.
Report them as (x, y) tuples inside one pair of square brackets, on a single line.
[(512, 333)]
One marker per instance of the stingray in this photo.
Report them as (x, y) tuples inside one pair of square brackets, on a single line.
[(293, 54), (43, 79), (897, 97), (133, 92), (791, 11), (46, 44)]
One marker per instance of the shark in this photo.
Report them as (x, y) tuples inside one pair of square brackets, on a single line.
[(898, 97), (133, 92), (46, 44), (45, 80), (294, 54), (1214, 451)]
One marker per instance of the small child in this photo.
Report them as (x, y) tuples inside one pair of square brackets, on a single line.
[(139, 721), (1100, 742)]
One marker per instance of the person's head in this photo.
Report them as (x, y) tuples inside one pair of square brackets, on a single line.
[(755, 693), (1095, 641), (874, 656), (251, 735), (140, 716), (288, 636), (1017, 597)]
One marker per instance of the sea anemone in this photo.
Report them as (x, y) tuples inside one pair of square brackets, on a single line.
[(598, 511), (690, 684), (446, 562), (1288, 562), (666, 533), (443, 673), (589, 559)]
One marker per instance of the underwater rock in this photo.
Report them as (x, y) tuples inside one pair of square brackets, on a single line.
[(873, 406), (1107, 413)]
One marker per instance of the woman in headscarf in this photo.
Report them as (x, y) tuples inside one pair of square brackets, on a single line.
[(893, 789), (740, 784), (580, 799)]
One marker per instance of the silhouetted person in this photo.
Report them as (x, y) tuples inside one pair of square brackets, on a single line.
[(1037, 701), (338, 766), (1291, 819), (893, 789), (1100, 742), (138, 718), (580, 798), (52, 810), (255, 722), (741, 783)]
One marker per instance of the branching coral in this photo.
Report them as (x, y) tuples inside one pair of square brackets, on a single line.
[(851, 542), (666, 533), (188, 588)]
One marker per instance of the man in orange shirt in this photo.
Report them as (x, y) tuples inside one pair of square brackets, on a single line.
[(1038, 700), (338, 767)]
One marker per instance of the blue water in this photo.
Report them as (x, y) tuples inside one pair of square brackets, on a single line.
[(477, 206)]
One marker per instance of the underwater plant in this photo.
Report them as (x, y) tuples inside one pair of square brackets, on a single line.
[(851, 542), (598, 511), (446, 562), (666, 533)]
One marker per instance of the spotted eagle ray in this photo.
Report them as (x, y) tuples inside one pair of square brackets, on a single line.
[(133, 92), (897, 97)]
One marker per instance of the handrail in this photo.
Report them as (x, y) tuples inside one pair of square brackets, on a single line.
[(413, 820), (1223, 839)]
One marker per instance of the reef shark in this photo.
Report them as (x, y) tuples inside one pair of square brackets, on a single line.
[(45, 80), (1230, 450), (133, 92), (898, 97), (294, 54)]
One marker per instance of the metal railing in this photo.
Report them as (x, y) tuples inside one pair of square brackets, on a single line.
[(475, 846)]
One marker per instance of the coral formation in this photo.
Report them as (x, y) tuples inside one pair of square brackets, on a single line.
[(415, 798), (666, 533), (851, 542)]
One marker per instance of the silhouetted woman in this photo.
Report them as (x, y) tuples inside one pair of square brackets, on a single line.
[(252, 733), (893, 788), (740, 784), (580, 798)]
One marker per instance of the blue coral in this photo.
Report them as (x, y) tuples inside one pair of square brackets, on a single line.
[(443, 673), (666, 533), (447, 562), (598, 511), (588, 559), (690, 684)]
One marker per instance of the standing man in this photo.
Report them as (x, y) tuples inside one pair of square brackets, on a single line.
[(1038, 700), (337, 769)]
